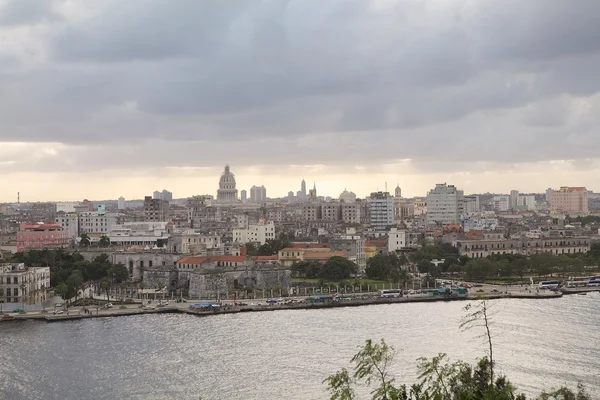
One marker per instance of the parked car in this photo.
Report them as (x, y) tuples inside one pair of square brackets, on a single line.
[(58, 312), (108, 305), (149, 308)]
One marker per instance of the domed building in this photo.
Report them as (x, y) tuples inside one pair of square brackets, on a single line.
[(227, 192), (347, 197)]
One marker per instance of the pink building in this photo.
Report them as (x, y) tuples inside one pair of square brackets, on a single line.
[(41, 236), (569, 200)]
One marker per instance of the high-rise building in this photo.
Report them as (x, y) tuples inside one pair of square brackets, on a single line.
[(258, 194), (227, 192), (381, 210), (156, 209), (445, 205), (157, 195), (569, 200), (472, 204), (303, 190), (514, 199), (121, 203), (166, 195), (244, 195)]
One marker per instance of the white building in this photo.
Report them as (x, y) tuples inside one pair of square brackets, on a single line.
[(92, 222), (258, 194), (258, 233), (23, 285), (527, 201), (472, 204), (151, 233), (381, 210), (445, 205), (69, 223), (396, 239), (501, 203), (121, 203)]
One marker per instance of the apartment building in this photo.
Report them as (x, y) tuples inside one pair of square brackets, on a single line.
[(354, 248), (381, 210), (569, 200), (445, 205), (19, 284), (495, 243), (350, 213), (41, 236), (397, 239), (311, 211), (255, 233), (156, 209)]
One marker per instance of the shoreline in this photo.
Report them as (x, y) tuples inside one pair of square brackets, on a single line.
[(284, 307)]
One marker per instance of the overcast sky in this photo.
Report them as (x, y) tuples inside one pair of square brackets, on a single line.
[(106, 98)]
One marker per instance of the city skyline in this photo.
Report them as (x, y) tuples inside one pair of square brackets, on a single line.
[(445, 96)]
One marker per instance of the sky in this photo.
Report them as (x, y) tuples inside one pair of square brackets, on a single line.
[(101, 99)]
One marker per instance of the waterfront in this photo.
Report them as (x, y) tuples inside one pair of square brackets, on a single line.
[(287, 354)]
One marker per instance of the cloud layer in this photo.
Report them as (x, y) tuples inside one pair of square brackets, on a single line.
[(447, 85)]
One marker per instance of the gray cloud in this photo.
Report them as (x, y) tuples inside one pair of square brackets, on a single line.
[(25, 12), (304, 82)]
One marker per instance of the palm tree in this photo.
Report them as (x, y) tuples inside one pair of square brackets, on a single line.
[(84, 240), (104, 241)]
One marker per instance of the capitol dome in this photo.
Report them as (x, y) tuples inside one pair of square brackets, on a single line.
[(227, 191)]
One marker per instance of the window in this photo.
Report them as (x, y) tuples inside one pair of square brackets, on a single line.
[(8, 294), (150, 264), (15, 280)]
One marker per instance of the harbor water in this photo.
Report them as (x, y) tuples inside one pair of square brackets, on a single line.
[(287, 354)]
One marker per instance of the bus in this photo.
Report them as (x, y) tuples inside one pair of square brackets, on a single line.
[(552, 285), (391, 293), (594, 282)]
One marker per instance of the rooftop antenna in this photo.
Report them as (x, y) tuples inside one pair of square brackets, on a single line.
[(18, 197)]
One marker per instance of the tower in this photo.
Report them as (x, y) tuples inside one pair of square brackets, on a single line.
[(398, 191), (303, 189)]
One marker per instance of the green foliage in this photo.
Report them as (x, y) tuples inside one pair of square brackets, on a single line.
[(85, 240), (270, 248), (387, 268), (71, 270), (566, 394), (307, 269), (335, 269), (438, 378), (104, 241)]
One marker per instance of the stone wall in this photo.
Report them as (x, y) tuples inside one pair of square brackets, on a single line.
[(223, 281)]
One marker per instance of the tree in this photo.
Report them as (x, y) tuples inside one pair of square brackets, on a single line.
[(104, 241), (118, 273), (520, 266), (85, 240), (251, 249), (61, 290), (337, 268), (307, 269), (105, 286), (477, 316), (75, 283)]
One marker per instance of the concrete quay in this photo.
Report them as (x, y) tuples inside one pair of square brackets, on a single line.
[(230, 308)]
